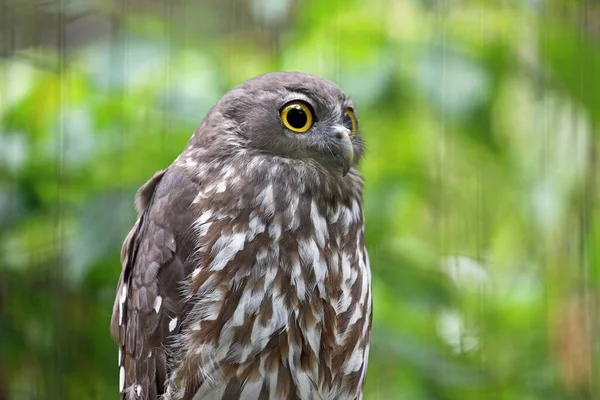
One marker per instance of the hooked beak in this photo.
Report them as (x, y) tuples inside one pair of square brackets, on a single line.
[(345, 156)]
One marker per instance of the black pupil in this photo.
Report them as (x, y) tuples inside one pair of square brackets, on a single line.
[(297, 118), (347, 122)]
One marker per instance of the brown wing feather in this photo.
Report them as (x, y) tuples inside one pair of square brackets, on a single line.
[(148, 294)]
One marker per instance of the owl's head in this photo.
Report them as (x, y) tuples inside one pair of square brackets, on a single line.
[(294, 115)]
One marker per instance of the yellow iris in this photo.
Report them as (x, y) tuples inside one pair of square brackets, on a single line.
[(297, 116), (352, 117)]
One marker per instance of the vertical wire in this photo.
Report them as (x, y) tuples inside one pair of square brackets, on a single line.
[(588, 201), (384, 5), (336, 61), (593, 187), (582, 203), (123, 46), (440, 40), (167, 75), (231, 41), (539, 251), (58, 317), (481, 231), (116, 61), (581, 257), (6, 44)]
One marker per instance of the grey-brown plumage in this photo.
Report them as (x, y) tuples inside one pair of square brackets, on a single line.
[(246, 274)]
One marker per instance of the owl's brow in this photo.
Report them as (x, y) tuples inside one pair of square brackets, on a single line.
[(298, 90), (295, 94)]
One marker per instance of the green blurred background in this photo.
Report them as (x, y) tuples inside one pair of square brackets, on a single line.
[(481, 199)]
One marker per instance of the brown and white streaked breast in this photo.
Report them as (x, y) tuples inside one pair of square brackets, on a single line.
[(280, 302)]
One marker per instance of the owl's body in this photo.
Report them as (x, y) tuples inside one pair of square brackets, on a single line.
[(246, 275)]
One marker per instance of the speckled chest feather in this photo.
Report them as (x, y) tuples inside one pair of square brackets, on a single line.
[(279, 303)]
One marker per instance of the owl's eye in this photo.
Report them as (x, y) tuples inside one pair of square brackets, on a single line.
[(350, 121), (297, 116)]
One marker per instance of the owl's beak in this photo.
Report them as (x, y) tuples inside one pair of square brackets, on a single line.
[(346, 149)]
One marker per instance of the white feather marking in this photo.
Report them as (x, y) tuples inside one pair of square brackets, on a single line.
[(239, 313), (261, 365), (121, 379), (123, 293), (310, 256), (356, 315), (346, 267), (356, 213), (119, 364), (254, 163), (256, 226), (354, 275), (190, 162), (225, 341), (120, 314), (251, 390), (275, 230), (297, 280), (221, 187), (313, 337), (304, 384), (280, 316), (204, 217), (274, 170), (364, 287), (203, 228), (198, 198), (252, 299), (210, 392), (157, 303), (195, 326), (334, 213), (226, 248), (273, 380), (228, 172), (209, 284), (345, 219), (266, 201), (138, 390), (355, 362), (270, 275), (172, 324), (262, 254), (209, 188), (207, 309), (320, 229), (261, 334), (292, 214), (365, 357), (344, 301), (309, 252), (340, 337)]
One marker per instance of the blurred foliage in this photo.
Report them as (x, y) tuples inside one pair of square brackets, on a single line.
[(481, 119)]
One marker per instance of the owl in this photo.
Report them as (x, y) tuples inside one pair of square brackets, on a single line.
[(246, 274)]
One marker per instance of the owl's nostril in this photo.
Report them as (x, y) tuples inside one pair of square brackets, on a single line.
[(340, 132)]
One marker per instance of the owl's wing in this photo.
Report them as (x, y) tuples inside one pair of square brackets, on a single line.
[(147, 308)]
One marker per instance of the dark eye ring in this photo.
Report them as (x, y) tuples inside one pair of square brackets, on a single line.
[(297, 116)]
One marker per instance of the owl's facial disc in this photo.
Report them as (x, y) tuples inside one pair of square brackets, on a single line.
[(292, 115)]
